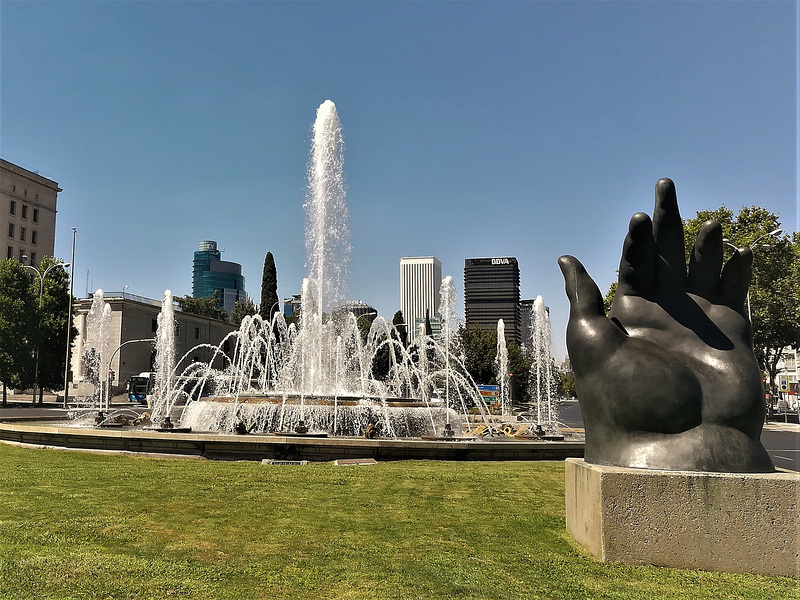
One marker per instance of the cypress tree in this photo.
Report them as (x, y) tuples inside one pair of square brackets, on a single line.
[(269, 288)]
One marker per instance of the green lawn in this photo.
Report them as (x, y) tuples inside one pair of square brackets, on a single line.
[(79, 525)]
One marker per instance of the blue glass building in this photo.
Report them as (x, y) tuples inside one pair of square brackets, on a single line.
[(211, 274)]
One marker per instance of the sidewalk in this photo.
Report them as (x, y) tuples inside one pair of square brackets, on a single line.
[(779, 426)]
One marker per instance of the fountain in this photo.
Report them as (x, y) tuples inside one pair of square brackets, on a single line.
[(502, 368), (542, 381), (292, 386), (97, 347), (323, 377)]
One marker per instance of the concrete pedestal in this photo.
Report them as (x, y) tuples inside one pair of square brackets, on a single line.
[(740, 523)]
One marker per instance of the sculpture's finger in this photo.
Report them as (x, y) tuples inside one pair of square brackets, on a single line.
[(636, 267), (670, 264), (705, 262), (735, 278), (591, 337), (585, 300)]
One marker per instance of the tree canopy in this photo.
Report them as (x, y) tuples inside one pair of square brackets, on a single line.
[(26, 325), (205, 307), (400, 324), (53, 324), (269, 288), (242, 309), (17, 326), (774, 296), (480, 353)]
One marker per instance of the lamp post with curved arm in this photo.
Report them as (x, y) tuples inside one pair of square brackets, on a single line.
[(39, 327), (753, 246)]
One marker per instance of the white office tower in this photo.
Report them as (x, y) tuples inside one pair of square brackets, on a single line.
[(420, 278)]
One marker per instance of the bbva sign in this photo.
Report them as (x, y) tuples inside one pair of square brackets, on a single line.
[(500, 261)]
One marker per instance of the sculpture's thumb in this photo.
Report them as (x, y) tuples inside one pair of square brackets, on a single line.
[(585, 300)]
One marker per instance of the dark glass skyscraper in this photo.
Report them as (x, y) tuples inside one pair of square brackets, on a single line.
[(491, 292), (212, 274)]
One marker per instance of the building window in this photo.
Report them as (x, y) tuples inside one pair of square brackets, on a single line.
[(37, 195), (22, 234), (34, 236), (33, 257), (12, 209), (26, 193), (154, 325), (24, 211), (197, 333), (14, 189), (10, 252), (21, 254), (11, 230), (35, 215)]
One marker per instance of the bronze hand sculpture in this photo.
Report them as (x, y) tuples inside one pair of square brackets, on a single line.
[(668, 380)]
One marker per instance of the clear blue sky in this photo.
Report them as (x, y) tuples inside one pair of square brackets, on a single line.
[(527, 129)]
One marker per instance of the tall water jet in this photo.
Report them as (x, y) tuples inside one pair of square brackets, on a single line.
[(165, 360), (323, 372), (327, 244), (97, 347), (447, 303), (542, 379), (502, 368), (327, 233)]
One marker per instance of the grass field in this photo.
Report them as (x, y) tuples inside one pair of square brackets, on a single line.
[(80, 525)]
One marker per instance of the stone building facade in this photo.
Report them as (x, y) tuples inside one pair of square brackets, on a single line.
[(135, 318), (27, 214)]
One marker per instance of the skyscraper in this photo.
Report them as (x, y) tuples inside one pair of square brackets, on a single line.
[(491, 292), (420, 279), (211, 274)]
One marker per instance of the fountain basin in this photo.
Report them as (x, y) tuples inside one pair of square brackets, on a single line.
[(320, 415), (220, 446)]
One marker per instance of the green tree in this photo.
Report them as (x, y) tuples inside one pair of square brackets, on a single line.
[(566, 384), (269, 288), (205, 307), (480, 353), (242, 309), (399, 323), (519, 365), (774, 296), (17, 322), (609, 297), (52, 325), (364, 323)]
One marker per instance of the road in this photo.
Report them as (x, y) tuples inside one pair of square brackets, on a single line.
[(782, 441)]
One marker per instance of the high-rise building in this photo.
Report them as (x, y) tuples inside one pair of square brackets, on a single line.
[(491, 293), (211, 274), (526, 318), (420, 280), (27, 213)]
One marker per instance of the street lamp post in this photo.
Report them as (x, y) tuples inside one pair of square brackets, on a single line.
[(69, 322), (271, 307), (39, 328), (108, 370), (753, 246)]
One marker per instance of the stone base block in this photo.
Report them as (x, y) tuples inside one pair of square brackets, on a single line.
[(738, 523)]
